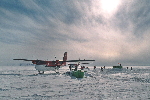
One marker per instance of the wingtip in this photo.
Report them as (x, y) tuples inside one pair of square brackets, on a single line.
[(19, 59)]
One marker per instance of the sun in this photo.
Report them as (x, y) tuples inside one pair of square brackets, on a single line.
[(109, 6)]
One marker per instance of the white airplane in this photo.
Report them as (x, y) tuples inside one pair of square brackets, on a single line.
[(43, 66)]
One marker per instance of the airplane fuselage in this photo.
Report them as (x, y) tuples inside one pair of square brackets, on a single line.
[(46, 68)]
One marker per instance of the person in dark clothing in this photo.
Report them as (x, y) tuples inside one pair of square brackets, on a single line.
[(104, 67), (76, 67), (70, 67)]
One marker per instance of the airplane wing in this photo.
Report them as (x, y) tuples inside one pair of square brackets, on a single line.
[(85, 63), (77, 64), (34, 61), (27, 60), (19, 59), (78, 60), (41, 61)]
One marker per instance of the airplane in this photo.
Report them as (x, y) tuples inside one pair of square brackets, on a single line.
[(42, 65)]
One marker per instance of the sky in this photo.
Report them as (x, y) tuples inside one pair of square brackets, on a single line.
[(108, 31)]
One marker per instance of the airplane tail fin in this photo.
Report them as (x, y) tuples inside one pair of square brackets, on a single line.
[(65, 58)]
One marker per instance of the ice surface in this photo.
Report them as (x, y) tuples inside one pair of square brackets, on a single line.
[(23, 83)]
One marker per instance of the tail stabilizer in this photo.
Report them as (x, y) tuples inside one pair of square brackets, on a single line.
[(65, 58)]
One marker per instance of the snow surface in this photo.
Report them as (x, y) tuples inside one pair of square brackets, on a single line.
[(23, 83)]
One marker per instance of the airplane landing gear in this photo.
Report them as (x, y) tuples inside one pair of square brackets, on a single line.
[(41, 72), (57, 69)]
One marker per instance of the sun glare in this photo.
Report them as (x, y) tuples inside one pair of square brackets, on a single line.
[(109, 6)]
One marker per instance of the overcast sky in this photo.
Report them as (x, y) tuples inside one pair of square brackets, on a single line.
[(109, 31)]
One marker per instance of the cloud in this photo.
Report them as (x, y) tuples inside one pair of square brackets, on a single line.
[(82, 28)]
